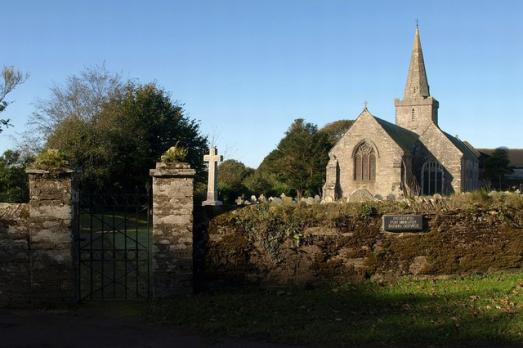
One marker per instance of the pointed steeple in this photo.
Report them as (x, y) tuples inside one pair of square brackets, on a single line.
[(417, 83), (418, 109)]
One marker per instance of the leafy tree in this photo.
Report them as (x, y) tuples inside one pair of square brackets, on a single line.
[(232, 173), (335, 130), (265, 182), (299, 160), (13, 179), (11, 78), (115, 147), (497, 166)]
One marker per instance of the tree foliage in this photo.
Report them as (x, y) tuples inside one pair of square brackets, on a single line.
[(13, 179), (231, 176), (335, 130), (11, 78), (298, 163), (127, 129), (497, 166)]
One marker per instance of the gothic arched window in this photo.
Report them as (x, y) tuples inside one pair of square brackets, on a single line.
[(432, 178), (364, 163)]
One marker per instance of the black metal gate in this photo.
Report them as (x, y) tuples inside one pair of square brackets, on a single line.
[(112, 247)]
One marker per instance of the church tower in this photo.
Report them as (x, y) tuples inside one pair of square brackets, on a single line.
[(417, 110)]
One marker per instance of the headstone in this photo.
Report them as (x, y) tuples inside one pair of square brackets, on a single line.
[(212, 182), (239, 201), (276, 200), (361, 195), (253, 199), (262, 198), (403, 223)]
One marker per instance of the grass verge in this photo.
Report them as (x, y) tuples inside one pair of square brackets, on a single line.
[(480, 310)]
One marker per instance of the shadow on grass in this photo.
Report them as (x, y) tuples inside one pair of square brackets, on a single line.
[(475, 312)]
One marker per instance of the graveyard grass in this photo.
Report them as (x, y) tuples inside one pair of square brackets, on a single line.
[(476, 310)]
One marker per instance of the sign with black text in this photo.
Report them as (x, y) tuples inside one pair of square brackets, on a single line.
[(403, 223)]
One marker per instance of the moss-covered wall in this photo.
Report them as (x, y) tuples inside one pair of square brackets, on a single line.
[(299, 243)]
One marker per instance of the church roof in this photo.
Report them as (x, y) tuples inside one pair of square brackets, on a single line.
[(461, 146), (404, 138), (472, 148), (417, 82)]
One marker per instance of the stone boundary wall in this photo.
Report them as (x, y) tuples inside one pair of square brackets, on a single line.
[(36, 242), (273, 245), (14, 253)]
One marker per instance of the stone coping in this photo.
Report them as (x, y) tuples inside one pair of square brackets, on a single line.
[(178, 169), (52, 171)]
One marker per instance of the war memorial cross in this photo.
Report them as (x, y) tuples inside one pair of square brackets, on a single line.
[(212, 185)]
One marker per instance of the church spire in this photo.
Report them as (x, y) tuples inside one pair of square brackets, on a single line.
[(417, 83)]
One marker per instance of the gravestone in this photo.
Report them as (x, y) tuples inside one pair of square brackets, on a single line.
[(361, 195), (212, 182)]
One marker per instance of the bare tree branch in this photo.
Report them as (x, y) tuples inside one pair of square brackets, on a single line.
[(11, 78)]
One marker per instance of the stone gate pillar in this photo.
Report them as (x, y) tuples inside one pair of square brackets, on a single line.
[(172, 254), (50, 235)]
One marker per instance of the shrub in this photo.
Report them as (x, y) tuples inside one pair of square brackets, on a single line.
[(50, 159), (174, 154)]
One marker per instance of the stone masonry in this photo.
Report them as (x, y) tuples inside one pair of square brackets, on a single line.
[(15, 272), (50, 227), (172, 229), (35, 242), (414, 156)]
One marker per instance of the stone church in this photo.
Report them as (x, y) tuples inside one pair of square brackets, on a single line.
[(378, 159)]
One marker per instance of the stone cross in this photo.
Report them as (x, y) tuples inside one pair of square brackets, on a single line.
[(212, 185)]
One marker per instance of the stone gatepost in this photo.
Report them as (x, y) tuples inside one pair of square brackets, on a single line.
[(172, 254), (50, 235)]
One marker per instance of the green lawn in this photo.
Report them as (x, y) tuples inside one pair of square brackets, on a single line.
[(469, 311)]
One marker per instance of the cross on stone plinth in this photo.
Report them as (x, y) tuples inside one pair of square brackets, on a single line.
[(212, 182)]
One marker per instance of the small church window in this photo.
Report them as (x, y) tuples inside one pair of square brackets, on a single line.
[(413, 114), (365, 163)]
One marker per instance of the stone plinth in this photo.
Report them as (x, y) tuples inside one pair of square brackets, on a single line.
[(50, 222), (172, 229)]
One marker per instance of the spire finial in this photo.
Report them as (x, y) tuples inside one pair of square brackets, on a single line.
[(417, 24), (365, 104)]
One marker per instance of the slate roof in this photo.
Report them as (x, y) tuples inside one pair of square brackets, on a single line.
[(404, 138), (461, 146)]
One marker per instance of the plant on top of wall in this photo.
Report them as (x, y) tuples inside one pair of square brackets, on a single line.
[(50, 159), (174, 154)]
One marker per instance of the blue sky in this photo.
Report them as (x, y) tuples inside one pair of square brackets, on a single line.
[(246, 68)]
